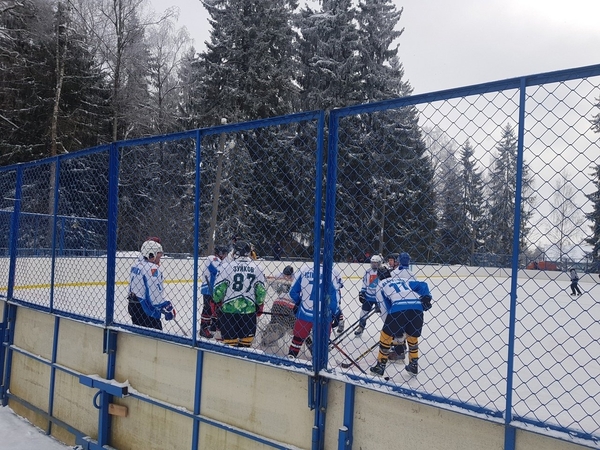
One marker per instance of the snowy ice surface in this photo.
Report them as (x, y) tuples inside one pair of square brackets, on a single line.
[(19, 434), (464, 353)]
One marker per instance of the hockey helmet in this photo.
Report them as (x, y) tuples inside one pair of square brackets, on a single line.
[(383, 273), (376, 261), (393, 256), (150, 249), (241, 248), (404, 259), (221, 250), (288, 271)]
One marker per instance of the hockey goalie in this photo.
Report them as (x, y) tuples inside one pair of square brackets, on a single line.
[(282, 311)]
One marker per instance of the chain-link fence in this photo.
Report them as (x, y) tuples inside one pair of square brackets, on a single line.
[(483, 195), (490, 193)]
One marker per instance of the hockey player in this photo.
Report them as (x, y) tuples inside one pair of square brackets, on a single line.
[(282, 311), (392, 261), (211, 268), (402, 302), (146, 301), (303, 294), (574, 282), (366, 295), (239, 294), (402, 269)]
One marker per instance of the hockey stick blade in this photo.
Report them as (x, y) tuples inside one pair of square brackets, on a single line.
[(361, 356)]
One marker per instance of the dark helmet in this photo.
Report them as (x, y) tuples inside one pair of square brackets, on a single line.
[(393, 256), (404, 259), (221, 250), (383, 273), (241, 248), (288, 271)]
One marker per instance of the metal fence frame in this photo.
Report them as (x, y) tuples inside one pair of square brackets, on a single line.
[(510, 420)]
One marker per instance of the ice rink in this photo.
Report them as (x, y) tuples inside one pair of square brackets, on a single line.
[(464, 351)]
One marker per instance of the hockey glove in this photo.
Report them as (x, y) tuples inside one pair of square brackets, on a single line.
[(362, 296), (426, 302), (169, 311)]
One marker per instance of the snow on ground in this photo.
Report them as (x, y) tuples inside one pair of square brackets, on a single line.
[(464, 347), (17, 433)]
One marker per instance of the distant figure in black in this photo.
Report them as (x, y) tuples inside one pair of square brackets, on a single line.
[(574, 280)]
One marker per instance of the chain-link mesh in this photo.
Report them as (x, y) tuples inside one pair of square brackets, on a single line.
[(439, 181), (432, 184)]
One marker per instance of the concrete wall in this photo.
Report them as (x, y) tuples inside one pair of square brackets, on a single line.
[(235, 394)]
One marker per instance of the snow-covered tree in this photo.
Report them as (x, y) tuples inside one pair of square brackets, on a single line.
[(502, 191), (462, 210), (248, 68), (594, 197), (329, 56), (53, 93)]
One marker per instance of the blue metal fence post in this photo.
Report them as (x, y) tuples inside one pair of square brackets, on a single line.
[(346, 431), (14, 234), (10, 311), (104, 422), (54, 213), (53, 372), (196, 240), (509, 432), (111, 243), (322, 308)]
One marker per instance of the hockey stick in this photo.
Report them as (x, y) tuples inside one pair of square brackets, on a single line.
[(352, 327), (361, 356), (352, 362), (185, 333)]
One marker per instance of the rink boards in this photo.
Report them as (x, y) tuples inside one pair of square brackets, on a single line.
[(182, 397)]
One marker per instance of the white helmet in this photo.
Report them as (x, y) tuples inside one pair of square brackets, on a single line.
[(150, 249), (376, 261)]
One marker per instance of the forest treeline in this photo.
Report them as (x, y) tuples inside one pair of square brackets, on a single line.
[(75, 74)]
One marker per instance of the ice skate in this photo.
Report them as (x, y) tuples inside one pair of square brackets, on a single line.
[(359, 331), (378, 369), (205, 332), (413, 366)]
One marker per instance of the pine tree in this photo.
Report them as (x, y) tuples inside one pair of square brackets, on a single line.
[(594, 217), (329, 58), (503, 184), (248, 68), (53, 94), (381, 74), (594, 197), (472, 199)]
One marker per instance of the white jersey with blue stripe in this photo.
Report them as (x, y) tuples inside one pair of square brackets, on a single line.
[(399, 294), (303, 293), (209, 274)]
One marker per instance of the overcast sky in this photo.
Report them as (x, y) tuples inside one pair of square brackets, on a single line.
[(456, 43)]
